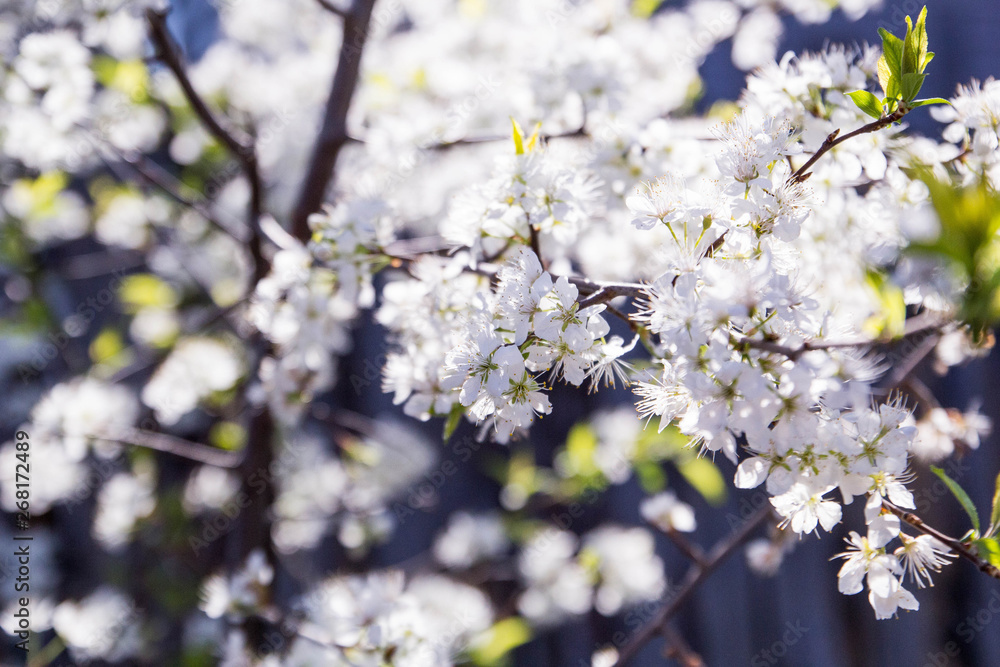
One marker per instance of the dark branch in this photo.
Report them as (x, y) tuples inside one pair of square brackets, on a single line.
[(478, 141), (695, 576), (153, 174), (241, 148), (162, 442), (536, 246), (833, 140), (957, 546), (333, 134), (602, 292), (332, 8)]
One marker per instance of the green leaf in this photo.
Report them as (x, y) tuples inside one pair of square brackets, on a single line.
[(454, 418), (145, 290), (890, 320), (227, 435), (995, 515), (959, 492), (892, 51), (928, 57), (518, 137), (885, 76), (867, 103), (651, 476), (920, 40), (705, 477), (505, 635), (581, 446), (106, 346), (911, 84), (970, 219), (988, 549), (908, 59), (930, 100)]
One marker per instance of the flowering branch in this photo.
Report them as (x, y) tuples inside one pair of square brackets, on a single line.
[(696, 574), (333, 133), (958, 546), (241, 148), (833, 140)]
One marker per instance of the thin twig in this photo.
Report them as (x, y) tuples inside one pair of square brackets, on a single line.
[(694, 552), (333, 134), (957, 546), (602, 292), (478, 141), (169, 444), (679, 650), (159, 178), (241, 148), (925, 397), (793, 353), (928, 340), (332, 8), (833, 139), (695, 576)]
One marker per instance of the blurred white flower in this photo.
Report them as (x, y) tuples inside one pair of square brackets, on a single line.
[(668, 513)]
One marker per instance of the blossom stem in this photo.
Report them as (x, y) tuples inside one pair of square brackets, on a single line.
[(958, 546), (696, 574)]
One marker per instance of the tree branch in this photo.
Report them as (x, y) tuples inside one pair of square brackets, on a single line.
[(333, 134), (957, 546), (793, 353), (153, 174), (478, 141), (679, 650), (695, 576), (333, 9), (169, 444), (601, 292), (241, 148), (536, 246), (802, 173)]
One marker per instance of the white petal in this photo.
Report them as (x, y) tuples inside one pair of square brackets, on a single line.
[(751, 473)]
